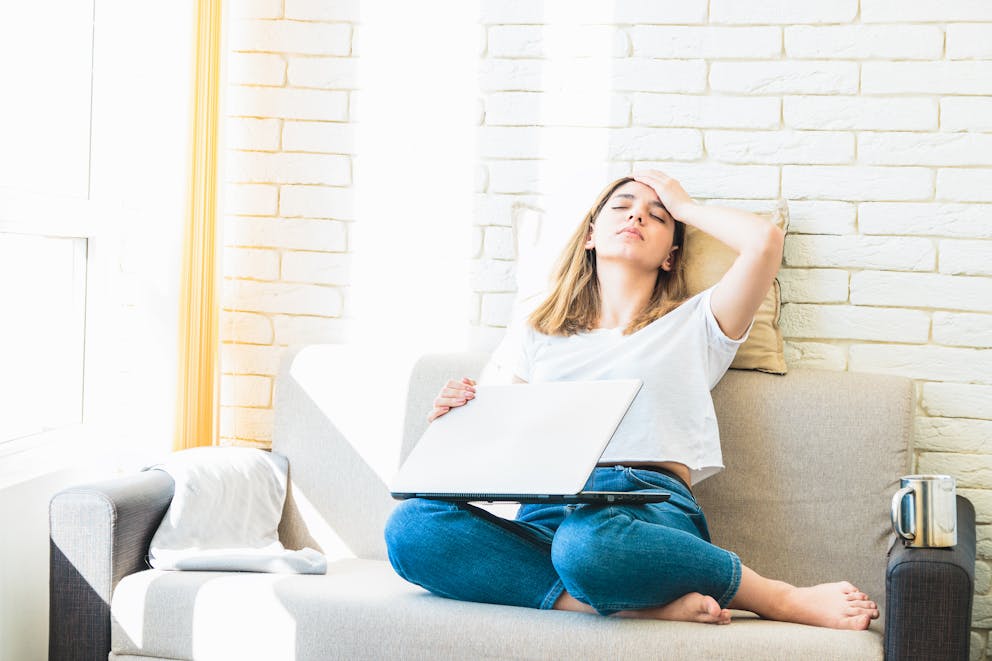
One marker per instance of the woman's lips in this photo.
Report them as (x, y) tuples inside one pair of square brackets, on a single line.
[(632, 233)]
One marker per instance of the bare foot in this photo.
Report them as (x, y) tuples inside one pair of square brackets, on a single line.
[(692, 607), (835, 605)]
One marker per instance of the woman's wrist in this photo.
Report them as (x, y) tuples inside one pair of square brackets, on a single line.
[(741, 230), (685, 212)]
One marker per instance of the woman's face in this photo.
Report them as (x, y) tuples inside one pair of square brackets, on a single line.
[(632, 209)]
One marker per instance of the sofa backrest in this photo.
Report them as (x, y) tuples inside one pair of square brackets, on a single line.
[(336, 502), (812, 460)]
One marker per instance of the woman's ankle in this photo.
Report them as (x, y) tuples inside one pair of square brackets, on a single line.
[(767, 597), (567, 602), (780, 606)]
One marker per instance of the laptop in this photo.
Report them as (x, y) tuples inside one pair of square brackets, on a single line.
[(524, 443)]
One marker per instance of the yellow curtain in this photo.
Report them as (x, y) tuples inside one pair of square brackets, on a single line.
[(198, 382)]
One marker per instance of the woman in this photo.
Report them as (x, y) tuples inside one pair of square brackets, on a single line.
[(620, 309)]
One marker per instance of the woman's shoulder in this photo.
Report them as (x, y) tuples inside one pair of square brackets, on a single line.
[(691, 304)]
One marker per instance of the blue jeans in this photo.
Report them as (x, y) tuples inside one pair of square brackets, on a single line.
[(611, 557)]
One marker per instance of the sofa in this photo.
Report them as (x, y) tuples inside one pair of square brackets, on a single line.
[(812, 461)]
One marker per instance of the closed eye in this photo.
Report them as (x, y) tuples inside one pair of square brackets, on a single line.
[(660, 220)]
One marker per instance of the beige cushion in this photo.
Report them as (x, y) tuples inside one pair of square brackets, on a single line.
[(707, 259), (362, 610)]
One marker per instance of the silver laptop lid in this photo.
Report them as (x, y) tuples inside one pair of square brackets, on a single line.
[(533, 438)]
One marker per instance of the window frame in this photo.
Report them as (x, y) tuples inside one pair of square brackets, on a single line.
[(46, 215)]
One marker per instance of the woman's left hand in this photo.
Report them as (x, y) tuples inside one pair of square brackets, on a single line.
[(669, 191)]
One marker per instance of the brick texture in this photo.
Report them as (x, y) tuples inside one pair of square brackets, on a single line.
[(871, 118)]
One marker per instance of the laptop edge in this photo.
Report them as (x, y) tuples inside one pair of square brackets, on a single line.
[(592, 497), (588, 497)]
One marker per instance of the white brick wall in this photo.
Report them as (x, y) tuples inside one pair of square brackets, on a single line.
[(872, 118)]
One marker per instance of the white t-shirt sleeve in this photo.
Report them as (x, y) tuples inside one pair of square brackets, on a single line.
[(504, 359), (721, 348), (526, 346)]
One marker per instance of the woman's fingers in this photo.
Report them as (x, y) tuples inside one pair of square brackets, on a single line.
[(437, 413), (454, 388), (668, 189), (455, 393), (650, 174), (451, 396)]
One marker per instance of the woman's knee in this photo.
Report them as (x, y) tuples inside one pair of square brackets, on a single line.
[(410, 522), (416, 530), (585, 541)]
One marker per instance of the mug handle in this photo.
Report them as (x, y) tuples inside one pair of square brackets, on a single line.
[(897, 513)]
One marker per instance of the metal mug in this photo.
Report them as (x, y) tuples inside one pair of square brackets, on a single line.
[(924, 511)]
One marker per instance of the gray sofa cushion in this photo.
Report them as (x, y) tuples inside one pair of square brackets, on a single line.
[(209, 615), (812, 459)]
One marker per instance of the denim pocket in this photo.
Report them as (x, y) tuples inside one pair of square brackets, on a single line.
[(700, 522), (650, 481), (647, 479)]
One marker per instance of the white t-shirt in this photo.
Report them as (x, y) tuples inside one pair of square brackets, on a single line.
[(680, 357)]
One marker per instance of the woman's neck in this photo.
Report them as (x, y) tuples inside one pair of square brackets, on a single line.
[(623, 293)]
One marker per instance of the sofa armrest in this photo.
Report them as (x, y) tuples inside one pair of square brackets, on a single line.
[(98, 534), (928, 596)]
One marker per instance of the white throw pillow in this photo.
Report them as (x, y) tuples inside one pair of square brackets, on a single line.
[(225, 514)]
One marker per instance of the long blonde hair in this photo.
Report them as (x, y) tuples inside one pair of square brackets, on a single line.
[(574, 303)]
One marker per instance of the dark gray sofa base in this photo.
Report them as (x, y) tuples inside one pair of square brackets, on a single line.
[(930, 594), (98, 534)]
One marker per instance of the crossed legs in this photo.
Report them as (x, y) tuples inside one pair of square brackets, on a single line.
[(836, 605), (600, 560)]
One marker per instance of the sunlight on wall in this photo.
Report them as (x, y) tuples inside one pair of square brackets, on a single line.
[(414, 175), (578, 104), (414, 187)]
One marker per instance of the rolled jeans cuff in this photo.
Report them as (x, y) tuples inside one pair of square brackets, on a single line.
[(556, 591), (735, 580)]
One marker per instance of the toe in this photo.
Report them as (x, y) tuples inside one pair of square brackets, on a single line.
[(711, 607), (712, 612), (857, 609), (855, 622)]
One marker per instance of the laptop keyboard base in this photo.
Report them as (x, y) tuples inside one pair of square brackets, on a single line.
[(589, 497)]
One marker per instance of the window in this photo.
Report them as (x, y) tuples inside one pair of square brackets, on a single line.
[(42, 339)]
